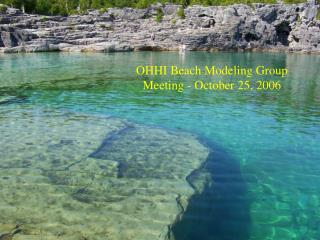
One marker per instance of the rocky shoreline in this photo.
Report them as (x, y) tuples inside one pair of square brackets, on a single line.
[(258, 27)]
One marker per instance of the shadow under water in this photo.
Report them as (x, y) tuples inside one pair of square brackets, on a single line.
[(10, 99), (222, 210)]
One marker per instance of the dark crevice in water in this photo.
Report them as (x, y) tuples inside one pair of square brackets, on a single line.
[(11, 99), (107, 142), (222, 210)]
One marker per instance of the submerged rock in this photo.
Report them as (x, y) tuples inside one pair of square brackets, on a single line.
[(11, 99), (9, 236), (75, 176)]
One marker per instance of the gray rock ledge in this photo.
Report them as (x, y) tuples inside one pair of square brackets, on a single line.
[(240, 27)]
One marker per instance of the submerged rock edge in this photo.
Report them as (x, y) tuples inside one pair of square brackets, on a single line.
[(72, 175)]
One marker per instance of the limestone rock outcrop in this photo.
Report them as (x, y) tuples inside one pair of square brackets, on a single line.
[(276, 27)]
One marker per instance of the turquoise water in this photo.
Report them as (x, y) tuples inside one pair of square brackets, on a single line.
[(264, 171)]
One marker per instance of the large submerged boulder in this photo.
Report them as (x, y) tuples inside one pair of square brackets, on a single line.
[(72, 176)]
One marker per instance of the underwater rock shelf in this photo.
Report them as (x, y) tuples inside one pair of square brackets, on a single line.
[(68, 176)]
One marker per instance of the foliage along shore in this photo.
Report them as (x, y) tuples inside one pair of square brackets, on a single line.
[(166, 27)]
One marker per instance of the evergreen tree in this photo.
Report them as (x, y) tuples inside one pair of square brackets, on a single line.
[(43, 6)]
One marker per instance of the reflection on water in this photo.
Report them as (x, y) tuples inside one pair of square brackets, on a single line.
[(261, 180)]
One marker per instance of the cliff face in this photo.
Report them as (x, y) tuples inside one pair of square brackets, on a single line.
[(237, 27)]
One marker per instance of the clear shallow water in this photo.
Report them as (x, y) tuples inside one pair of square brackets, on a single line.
[(264, 172)]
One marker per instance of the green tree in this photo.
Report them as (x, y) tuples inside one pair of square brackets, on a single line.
[(24, 5), (43, 6), (180, 13), (84, 5), (97, 4), (159, 15)]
